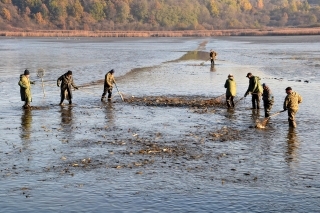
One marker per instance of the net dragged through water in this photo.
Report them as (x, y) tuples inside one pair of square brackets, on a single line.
[(177, 101)]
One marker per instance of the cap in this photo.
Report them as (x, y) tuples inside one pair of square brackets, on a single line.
[(249, 74), (69, 72), (264, 84), (288, 88), (230, 75), (112, 71), (26, 72)]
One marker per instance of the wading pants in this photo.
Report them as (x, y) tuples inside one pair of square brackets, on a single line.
[(267, 108), (256, 101), (229, 100), (292, 118), (105, 91)]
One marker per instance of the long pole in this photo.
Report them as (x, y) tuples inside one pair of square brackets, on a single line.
[(44, 95), (119, 92)]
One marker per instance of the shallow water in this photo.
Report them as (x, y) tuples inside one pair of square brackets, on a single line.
[(157, 158)]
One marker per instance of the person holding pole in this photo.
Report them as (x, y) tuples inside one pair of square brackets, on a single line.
[(66, 83), (255, 89), (268, 100), (25, 89), (108, 85), (291, 103)]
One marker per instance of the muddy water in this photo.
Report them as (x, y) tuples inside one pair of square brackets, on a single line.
[(171, 146)]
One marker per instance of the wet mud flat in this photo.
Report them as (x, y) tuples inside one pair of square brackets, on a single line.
[(165, 142)]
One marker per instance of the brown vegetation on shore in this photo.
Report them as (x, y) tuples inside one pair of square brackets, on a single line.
[(185, 33)]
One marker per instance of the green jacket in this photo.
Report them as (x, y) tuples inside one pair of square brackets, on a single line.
[(231, 87), (254, 85), (25, 88), (292, 101)]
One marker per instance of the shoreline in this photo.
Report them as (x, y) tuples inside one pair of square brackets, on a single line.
[(185, 33)]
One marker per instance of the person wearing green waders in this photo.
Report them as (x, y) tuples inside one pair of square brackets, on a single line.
[(291, 103), (66, 89), (231, 91), (25, 89), (255, 89), (268, 100)]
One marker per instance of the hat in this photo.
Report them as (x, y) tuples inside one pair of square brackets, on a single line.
[(69, 72), (288, 88), (230, 75), (264, 84), (112, 71), (26, 72), (249, 74)]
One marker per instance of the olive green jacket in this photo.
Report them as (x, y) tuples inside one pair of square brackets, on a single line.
[(254, 85), (25, 88), (231, 87), (292, 101)]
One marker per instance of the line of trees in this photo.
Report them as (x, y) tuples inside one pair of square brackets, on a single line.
[(112, 15)]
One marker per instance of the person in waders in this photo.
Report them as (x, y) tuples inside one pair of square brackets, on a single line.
[(291, 103), (213, 55), (268, 100), (66, 90), (231, 91), (255, 89), (108, 85), (25, 89)]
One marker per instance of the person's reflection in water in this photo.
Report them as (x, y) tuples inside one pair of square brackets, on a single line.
[(212, 68), (293, 145), (109, 113), (66, 120), (26, 121), (255, 114)]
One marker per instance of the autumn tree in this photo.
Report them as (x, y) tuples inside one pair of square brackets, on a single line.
[(5, 13), (97, 10)]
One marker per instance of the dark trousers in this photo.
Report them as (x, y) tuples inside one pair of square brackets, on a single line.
[(212, 61), (106, 90), (256, 101), (229, 100), (292, 117), (63, 90), (267, 108)]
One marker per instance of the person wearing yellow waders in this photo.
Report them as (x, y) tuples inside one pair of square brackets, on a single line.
[(108, 85), (231, 91), (25, 89), (291, 103), (255, 89)]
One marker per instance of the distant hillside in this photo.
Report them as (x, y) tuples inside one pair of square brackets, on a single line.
[(156, 15)]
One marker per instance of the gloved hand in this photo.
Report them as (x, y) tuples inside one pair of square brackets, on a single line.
[(76, 88), (32, 82), (245, 95), (58, 85)]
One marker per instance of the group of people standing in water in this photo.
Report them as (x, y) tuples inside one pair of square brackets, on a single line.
[(256, 89)]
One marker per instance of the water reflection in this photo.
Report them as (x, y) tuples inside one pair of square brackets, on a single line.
[(66, 119), (26, 121), (255, 114), (212, 68), (293, 145), (109, 110)]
